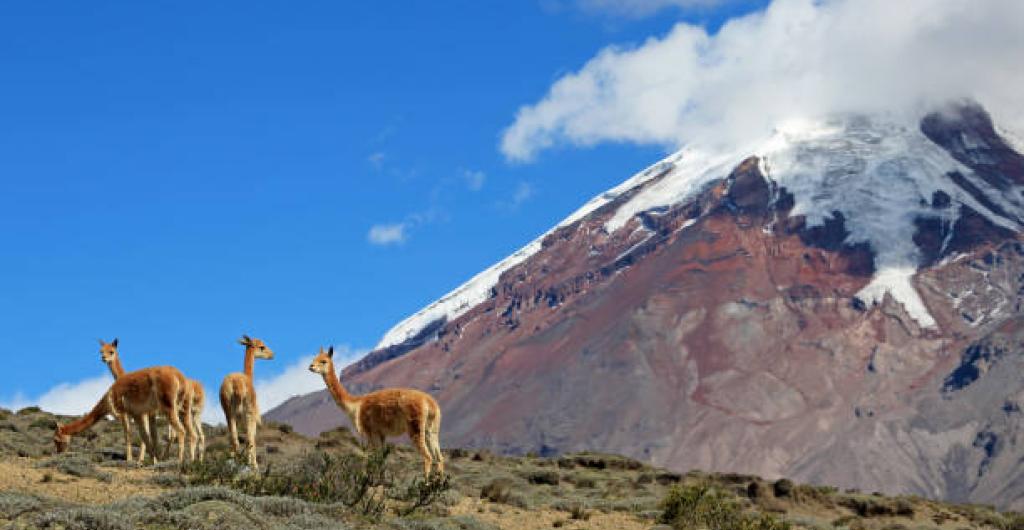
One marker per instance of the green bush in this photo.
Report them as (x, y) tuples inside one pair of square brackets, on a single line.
[(13, 505), (498, 490), (704, 507), (878, 506), (543, 477), (783, 487), (1012, 521), (83, 519), (364, 485), (77, 466)]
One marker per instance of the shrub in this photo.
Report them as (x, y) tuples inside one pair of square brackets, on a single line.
[(585, 482), (423, 493), (13, 505), (76, 466), (782, 487), (701, 506), (878, 507), (456, 453), (543, 477), (83, 519), (42, 423), (168, 480), (579, 512), (498, 490), (364, 485)]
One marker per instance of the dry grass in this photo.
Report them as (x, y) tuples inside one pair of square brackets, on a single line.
[(309, 483)]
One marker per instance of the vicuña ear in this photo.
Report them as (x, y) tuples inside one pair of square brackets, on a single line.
[(245, 340), (114, 344), (330, 352), (101, 342)]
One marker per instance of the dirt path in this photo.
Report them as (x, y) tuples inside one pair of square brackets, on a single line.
[(20, 474), (512, 518)]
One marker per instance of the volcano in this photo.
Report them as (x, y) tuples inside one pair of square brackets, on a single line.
[(840, 303)]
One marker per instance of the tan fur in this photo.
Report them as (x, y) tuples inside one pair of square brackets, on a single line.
[(198, 404), (238, 398), (139, 395), (388, 412), (110, 356)]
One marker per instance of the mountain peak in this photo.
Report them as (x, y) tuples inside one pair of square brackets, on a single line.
[(880, 173), (791, 307)]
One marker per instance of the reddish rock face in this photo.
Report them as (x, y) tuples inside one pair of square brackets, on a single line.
[(723, 333)]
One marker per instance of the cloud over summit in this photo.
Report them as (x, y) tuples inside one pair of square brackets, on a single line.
[(796, 59)]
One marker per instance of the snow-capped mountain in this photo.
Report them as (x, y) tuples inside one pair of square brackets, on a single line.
[(829, 303), (879, 174)]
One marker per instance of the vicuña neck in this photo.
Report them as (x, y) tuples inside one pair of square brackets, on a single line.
[(115, 368), (101, 409), (250, 361), (341, 396)]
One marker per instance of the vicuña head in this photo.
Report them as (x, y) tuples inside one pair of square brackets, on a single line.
[(61, 440), (323, 363), (108, 352), (259, 349), (387, 412)]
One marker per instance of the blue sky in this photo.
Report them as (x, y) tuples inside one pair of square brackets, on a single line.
[(177, 174)]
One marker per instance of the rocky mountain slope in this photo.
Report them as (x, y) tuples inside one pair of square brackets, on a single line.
[(840, 303)]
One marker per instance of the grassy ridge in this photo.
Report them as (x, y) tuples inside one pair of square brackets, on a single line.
[(330, 482)]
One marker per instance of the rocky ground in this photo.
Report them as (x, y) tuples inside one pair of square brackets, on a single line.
[(91, 487)]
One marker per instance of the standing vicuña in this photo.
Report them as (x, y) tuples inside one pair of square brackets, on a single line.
[(139, 395), (112, 358), (387, 412), (238, 398)]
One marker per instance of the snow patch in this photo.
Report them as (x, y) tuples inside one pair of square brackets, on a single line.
[(879, 172), (896, 281)]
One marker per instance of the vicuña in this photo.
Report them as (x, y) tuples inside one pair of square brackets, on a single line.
[(140, 395), (387, 412), (111, 357), (238, 398)]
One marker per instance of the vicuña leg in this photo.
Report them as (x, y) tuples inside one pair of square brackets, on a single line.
[(197, 422), (174, 418), (250, 439), (418, 434), (190, 428), (126, 425), (435, 448), (142, 424), (232, 420), (154, 437)]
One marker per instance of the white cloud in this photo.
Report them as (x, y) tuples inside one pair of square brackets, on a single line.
[(387, 234), (796, 59), (474, 179), (376, 159), (523, 193), (70, 399)]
